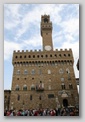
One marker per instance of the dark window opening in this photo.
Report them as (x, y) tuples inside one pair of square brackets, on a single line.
[(18, 97), (33, 56), (50, 95), (20, 56), (63, 86), (25, 56), (65, 55), (16, 56), (68, 54), (30, 97), (50, 55)]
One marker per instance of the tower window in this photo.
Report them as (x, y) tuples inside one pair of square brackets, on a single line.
[(33, 56), (25, 56), (40, 97), (55, 55), (29, 56), (20, 56), (42, 56), (38, 56), (69, 55), (65, 55), (16, 56), (50, 55), (60, 55), (46, 55)]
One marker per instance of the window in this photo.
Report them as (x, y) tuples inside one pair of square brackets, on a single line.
[(25, 87), (30, 97), (20, 56), (33, 71), (62, 79), (49, 87), (17, 88), (40, 72), (50, 95), (46, 56), (55, 55), (18, 72), (29, 56), (42, 56), (67, 70), (63, 86), (32, 87), (16, 56), (25, 56), (70, 86), (25, 72), (49, 71), (18, 97), (40, 97), (38, 56), (33, 56), (65, 55), (69, 55)]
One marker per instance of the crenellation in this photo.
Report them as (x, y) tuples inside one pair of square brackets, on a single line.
[(26, 50)]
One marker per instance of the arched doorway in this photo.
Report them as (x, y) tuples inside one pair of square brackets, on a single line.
[(65, 102)]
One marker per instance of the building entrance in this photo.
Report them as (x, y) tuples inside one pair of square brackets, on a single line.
[(65, 102)]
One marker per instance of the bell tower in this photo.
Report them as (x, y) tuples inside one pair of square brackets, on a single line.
[(46, 33)]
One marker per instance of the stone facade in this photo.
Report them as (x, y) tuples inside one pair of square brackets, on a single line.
[(44, 78), (7, 94)]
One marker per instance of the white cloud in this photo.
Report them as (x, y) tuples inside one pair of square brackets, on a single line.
[(71, 26), (11, 15), (9, 47)]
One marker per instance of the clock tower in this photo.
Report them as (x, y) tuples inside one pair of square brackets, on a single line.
[(46, 33)]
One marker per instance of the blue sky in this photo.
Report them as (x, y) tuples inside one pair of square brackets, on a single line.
[(22, 31)]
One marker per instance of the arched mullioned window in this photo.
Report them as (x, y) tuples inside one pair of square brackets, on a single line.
[(32, 87), (25, 72), (70, 86), (25, 87), (63, 86), (17, 87), (18, 72)]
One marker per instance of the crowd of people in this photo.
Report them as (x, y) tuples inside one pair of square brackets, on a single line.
[(44, 112)]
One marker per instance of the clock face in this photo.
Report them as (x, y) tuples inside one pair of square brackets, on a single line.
[(48, 48)]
